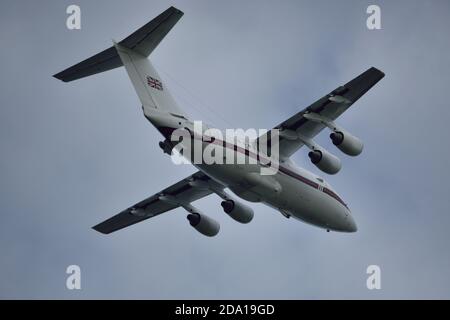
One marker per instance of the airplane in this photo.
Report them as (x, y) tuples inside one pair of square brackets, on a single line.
[(293, 191)]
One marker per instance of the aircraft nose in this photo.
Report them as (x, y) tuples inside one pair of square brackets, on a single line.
[(351, 224)]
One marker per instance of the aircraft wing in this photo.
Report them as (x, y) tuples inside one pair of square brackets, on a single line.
[(153, 206), (330, 106)]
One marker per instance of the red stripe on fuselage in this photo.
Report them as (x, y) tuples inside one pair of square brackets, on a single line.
[(165, 131)]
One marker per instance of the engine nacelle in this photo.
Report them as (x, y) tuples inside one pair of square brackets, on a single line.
[(325, 161), (347, 143), (204, 224), (238, 211)]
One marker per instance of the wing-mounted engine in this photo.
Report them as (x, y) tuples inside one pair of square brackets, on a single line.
[(324, 160), (346, 142), (198, 220), (203, 224), (237, 210), (320, 157)]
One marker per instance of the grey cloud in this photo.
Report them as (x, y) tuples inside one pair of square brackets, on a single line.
[(74, 154)]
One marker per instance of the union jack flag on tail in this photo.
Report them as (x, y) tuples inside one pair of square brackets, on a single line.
[(155, 83)]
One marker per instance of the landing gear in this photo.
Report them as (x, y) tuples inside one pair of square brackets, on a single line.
[(166, 146)]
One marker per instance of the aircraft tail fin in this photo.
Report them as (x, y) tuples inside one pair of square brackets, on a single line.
[(142, 41), (154, 95)]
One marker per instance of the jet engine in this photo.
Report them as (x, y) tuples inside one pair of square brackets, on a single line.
[(347, 143), (325, 161), (238, 211), (204, 224)]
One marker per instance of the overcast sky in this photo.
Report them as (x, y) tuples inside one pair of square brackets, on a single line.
[(75, 154)]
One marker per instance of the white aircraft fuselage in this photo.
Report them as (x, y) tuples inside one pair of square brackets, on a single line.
[(295, 194), (294, 191)]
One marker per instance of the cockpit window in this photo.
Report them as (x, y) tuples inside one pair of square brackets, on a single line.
[(320, 179)]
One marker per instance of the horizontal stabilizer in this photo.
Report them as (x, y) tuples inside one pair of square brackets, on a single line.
[(143, 41)]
